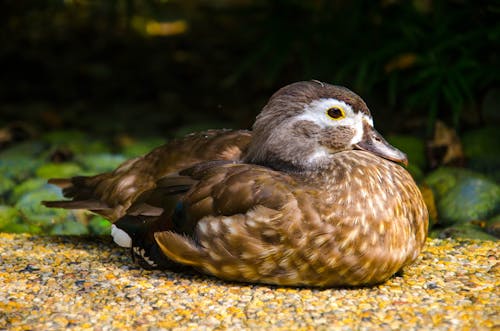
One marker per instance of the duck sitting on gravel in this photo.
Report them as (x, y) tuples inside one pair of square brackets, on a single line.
[(313, 196)]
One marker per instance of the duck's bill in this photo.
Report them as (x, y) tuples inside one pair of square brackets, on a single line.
[(374, 142)]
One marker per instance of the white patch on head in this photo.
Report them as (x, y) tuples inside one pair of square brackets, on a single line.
[(316, 112), (120, 237)]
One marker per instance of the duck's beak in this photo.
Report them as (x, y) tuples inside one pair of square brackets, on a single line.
[(373, 142)]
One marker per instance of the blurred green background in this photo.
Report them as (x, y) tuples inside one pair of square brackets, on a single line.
[(88, 84)]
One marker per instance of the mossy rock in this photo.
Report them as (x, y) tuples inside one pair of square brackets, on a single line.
[(482, 151), (59, 170), (69, 227), (443, 179), (29, 185), (464, 230), (99, 226), (100, 162), (463, 196), (412, 146)]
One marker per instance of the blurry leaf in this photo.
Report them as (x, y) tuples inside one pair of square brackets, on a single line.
[(482, 151), (8, 215), (100, 162), (445, 147), (401, 62), (51, 119), (141, 147), (412, 146), (100, 226), (74, 141), (58, 170), (6, 185), (23, 150)]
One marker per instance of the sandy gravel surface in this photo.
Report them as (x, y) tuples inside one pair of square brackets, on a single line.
[(58, 283)]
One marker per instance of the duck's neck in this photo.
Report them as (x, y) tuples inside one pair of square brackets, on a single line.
[(332, 170), (279, 164), (291, 158)]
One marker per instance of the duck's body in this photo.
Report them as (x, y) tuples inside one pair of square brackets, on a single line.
[(306, 201)]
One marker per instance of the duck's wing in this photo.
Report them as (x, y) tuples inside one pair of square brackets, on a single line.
[(111, 194), (237, 221)]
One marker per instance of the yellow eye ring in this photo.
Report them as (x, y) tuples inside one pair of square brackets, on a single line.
[(335, 113)]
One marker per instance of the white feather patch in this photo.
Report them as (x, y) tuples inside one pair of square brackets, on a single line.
[(316, 112), (120, 237)]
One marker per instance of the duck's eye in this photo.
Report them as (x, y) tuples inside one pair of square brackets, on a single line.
[(336, 113)]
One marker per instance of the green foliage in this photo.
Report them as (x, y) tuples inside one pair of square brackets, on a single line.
[(415, 151), (58, 170), (99, 225), (482, 151), (19, 167), (100, 162), (420, 54), (141, 147), (8, 215), (6, 185), (421, 58)]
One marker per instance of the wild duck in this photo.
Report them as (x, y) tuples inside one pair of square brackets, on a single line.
[(313, 196)]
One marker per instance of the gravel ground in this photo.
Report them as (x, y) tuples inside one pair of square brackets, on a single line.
[(56, 283)]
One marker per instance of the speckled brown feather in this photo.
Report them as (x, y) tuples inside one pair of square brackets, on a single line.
[(302, 229)]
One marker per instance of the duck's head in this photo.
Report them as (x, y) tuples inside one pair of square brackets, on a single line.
[(304, 124)]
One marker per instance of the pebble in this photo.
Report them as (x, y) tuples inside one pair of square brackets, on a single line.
[(77, 283)]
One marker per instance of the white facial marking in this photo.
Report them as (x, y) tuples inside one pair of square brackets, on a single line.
[(316, 112), (120, 237)]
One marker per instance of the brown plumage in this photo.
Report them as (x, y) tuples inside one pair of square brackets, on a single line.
[(111, 194), (313, 198)]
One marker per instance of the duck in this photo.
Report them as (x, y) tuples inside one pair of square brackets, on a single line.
[(313, 196)]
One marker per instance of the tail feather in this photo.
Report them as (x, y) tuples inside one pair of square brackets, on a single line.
[(179, 248), (93, 205)]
